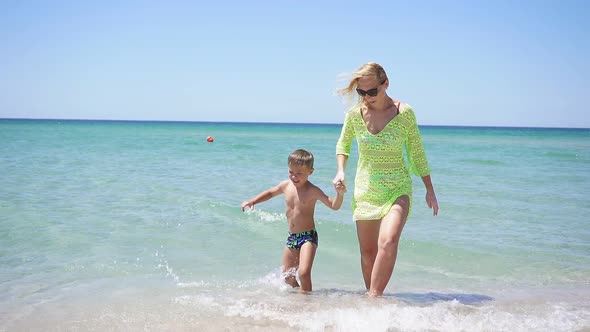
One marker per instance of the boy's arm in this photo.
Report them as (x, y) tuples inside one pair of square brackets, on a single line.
[(332, 203), (265, 195)]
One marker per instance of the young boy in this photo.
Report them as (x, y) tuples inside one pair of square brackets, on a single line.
[(300, 198)]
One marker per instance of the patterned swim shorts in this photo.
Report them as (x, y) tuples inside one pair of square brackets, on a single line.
[(296, 240)]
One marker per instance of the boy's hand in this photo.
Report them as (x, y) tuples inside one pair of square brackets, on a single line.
[(247, 204)]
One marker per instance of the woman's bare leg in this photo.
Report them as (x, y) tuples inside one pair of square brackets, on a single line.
[(306, 255), (390, 232), (368, 234), (290, 264)]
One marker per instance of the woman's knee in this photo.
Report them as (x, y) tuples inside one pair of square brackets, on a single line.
[(369, 251), (389, 245)]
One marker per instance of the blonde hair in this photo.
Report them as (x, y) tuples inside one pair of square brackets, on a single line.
[(301, 157), (368, 70)]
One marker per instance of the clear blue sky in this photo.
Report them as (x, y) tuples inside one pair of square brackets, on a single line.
[(489, 63)]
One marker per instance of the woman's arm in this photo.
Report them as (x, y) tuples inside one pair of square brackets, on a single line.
[(416, 153), (340, 169), (343, 147)]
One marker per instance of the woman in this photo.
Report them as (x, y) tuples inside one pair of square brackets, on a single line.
[(381, 203)]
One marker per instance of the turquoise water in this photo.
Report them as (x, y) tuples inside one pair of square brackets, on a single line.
[(138, 226)]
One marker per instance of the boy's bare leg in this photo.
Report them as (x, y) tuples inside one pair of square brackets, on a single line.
[(306, 256), (290, 264)]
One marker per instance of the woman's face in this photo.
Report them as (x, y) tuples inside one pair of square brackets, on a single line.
[(370, 89)]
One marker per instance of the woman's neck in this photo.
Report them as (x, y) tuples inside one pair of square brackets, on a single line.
[(384, 105)]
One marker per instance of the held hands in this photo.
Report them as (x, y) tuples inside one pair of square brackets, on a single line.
[(340, 187), (432, 202), (339, 183)]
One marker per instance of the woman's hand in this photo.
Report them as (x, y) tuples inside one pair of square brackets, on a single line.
[(338, 181), (432, 202)]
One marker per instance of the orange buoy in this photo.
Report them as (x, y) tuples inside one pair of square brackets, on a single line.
[(210, 139)]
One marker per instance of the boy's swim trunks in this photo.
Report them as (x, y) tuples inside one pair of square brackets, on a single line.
[(296, 240)]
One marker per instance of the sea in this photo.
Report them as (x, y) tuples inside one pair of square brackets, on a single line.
[(137, 226)]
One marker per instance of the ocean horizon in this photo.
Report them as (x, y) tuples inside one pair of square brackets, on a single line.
[(280, 123), (137, 225)]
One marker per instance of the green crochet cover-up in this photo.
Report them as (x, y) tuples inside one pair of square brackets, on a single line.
[(382, 174)]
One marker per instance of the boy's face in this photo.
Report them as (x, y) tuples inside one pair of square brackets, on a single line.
[(298, 174)]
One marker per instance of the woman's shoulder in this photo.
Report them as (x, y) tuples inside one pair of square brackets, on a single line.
[(406, 111), (356, 109), (406, 115), (354, 112), (405, 108)]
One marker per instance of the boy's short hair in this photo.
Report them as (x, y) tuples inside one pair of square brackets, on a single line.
[(301, 157)]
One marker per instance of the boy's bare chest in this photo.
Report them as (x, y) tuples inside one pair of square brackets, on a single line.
[(296, 198)]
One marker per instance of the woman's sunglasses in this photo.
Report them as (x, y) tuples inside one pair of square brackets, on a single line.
[(372, 92)]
